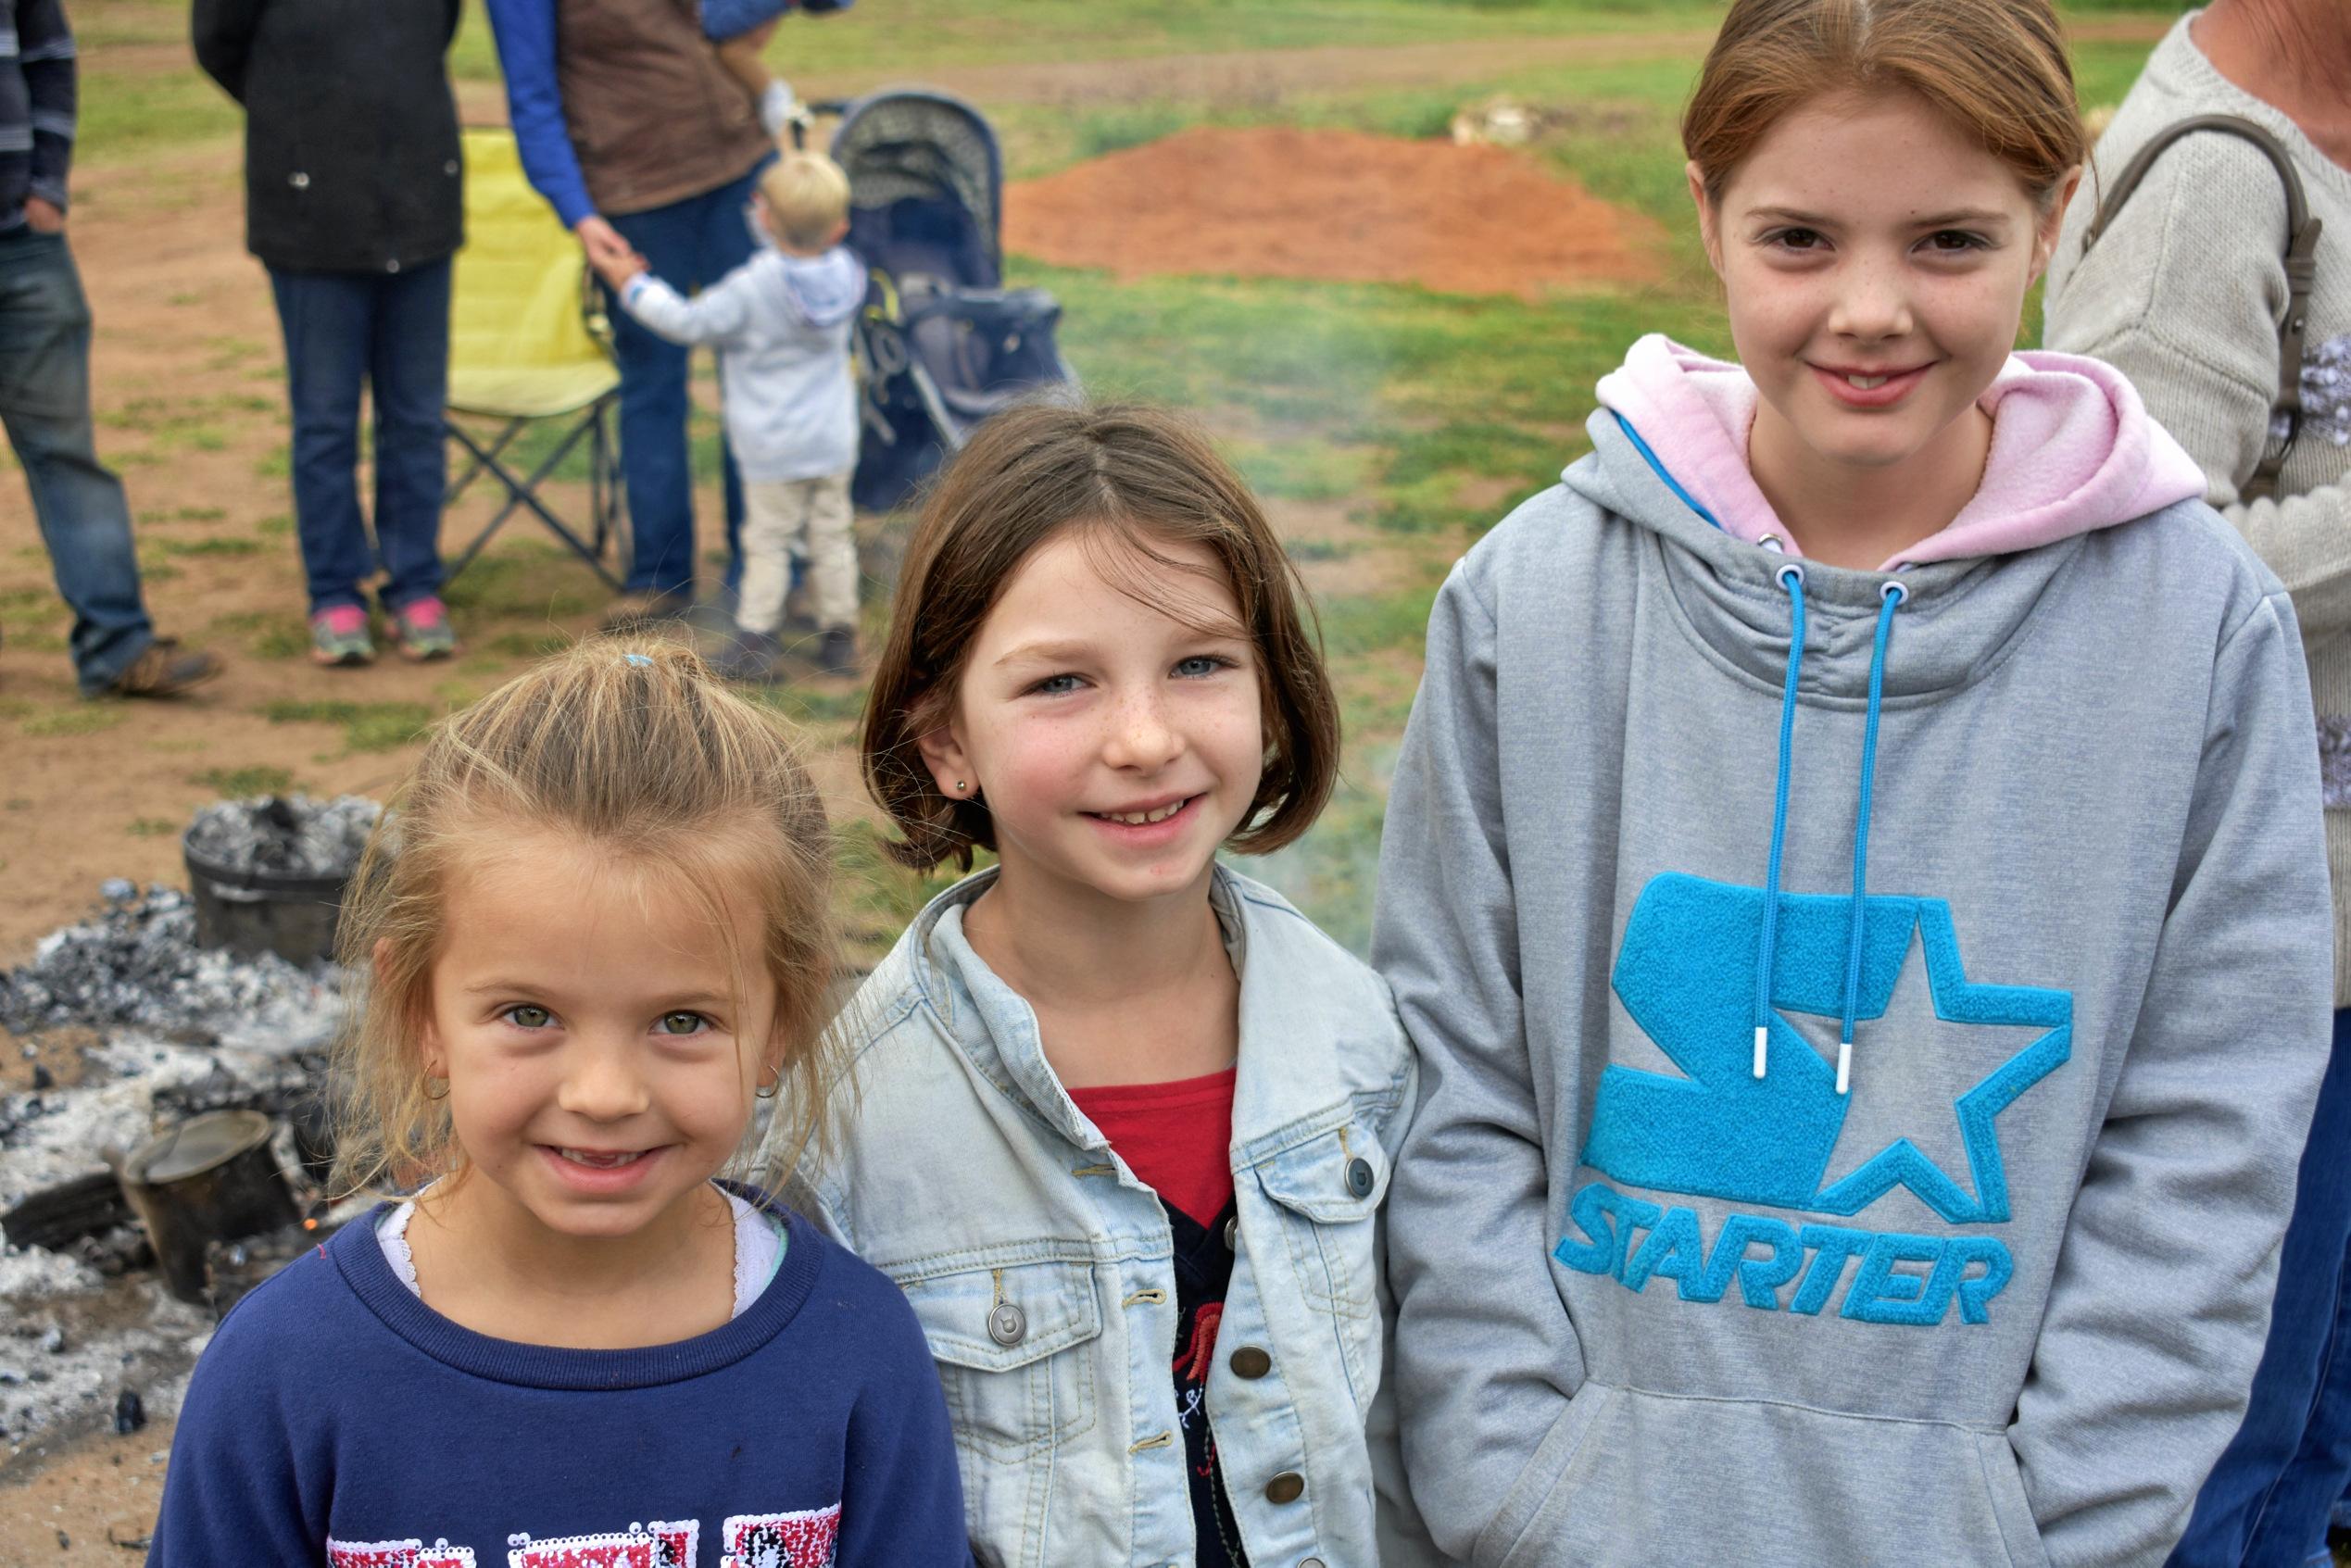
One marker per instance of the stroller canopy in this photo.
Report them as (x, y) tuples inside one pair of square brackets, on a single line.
[(926, 183)]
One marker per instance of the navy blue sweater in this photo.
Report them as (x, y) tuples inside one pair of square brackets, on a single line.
[(336, 1419), (36, 106)]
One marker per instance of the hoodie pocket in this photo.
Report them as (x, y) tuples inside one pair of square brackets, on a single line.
[(1014, 1348), (2003, 1487), (1659, 1478)]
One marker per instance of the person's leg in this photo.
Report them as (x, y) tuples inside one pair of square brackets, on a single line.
[(409, 365), (771, 515), (832, 548), (2291, 1526), (2246, 1486), (45, 402), (726, 242), (653, 451), (327, 318)]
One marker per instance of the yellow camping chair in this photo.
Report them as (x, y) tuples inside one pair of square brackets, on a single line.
[(523, 348)]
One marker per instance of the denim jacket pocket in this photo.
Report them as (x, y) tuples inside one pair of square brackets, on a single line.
[(1013, 1344), (1329, 1188)]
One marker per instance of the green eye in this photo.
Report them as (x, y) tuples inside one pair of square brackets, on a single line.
[(525, 1016), (683, 1024)]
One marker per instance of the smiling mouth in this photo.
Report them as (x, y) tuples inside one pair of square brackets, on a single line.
[(603, 1159), (1144, 819), (1869, 381)]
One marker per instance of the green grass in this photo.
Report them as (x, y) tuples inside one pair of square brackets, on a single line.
[(226, 544), (237, 784), (367, 726), (85, 721), (153, 827)]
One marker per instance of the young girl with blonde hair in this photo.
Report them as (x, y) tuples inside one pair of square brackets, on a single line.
[(594, 935), (1125, 1117), (1853, 878)]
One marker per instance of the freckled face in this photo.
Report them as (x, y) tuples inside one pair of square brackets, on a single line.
[(1114, 744), (600, 1069), (1874, 260)]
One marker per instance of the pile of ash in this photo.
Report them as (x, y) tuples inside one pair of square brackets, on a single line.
[(136, 964), (285, 835), (179, 1030)]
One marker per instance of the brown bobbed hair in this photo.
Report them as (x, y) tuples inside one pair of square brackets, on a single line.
[(1136, 478), (1997, 68), (633, 744)]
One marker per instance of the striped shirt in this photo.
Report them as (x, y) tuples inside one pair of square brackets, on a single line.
[(36, 106)]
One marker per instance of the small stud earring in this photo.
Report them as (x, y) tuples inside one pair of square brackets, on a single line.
[(961, 786)]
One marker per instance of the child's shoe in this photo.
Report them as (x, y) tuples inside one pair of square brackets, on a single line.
[(751, 656), (421, 630), (836, 652), (339, 637)]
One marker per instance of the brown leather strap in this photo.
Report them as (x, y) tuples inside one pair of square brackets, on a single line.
[(2301, 269)]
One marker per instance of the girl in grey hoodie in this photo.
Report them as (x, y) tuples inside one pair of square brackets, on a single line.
[(1854, 880)]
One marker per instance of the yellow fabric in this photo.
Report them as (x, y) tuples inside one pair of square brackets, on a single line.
[(519, 346)]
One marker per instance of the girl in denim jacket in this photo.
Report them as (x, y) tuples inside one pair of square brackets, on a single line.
[(1124, 1119)]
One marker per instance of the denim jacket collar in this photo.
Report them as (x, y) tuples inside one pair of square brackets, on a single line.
[(997, 1030)]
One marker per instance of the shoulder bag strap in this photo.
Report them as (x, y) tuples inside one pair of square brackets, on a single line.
[(2301, 267)]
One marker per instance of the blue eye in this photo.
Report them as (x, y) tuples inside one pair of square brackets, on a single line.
[(1055, 685), (1200, 664), (682, 1023), (525, 1016)]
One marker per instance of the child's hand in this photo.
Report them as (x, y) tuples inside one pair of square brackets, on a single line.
[(616, 270)]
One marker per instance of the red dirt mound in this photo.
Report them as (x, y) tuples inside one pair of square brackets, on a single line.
[(1278, 202)]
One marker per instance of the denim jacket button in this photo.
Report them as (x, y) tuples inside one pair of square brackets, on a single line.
[(1232, 1234), (1007, 1323), (1288, 1486), (1250, 1362), (1359, 1176), (1310, 1562)]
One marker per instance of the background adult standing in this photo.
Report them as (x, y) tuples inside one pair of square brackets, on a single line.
[(45, 374), (2184, 291), (353, 201), (633, 130)]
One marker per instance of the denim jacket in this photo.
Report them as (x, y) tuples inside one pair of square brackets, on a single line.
[(1042, 1272)]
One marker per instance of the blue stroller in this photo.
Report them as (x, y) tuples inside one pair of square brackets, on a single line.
[(943, 342)]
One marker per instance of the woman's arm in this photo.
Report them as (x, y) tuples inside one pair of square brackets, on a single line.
[(525, 33)]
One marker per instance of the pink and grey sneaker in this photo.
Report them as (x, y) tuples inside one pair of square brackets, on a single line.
[(421, 630), (339, 636)]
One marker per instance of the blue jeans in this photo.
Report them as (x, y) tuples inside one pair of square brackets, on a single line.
[(2266, 1500), (389, 331), (688, 244), (44, 402)]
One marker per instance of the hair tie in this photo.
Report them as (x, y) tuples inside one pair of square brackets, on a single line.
[(638, 659)]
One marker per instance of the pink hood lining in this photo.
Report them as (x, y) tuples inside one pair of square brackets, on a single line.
[(2072, 450)]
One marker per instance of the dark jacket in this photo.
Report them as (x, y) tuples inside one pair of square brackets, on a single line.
[(351, 161)]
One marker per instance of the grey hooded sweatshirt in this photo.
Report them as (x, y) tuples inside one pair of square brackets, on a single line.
[(1867, 1035)]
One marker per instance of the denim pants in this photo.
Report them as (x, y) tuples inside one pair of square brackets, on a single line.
[(688, 244), (389, 331), (2267, 1501), (44, 402)]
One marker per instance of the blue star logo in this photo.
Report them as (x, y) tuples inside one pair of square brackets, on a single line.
[(1686, 974)]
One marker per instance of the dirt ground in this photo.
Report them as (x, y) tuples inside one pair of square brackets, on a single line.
[(1281, 202)]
